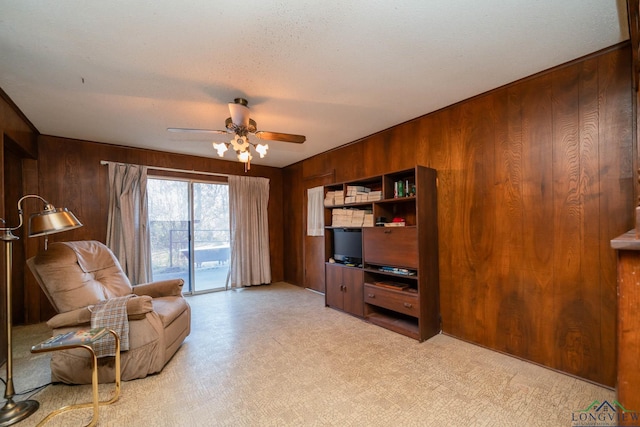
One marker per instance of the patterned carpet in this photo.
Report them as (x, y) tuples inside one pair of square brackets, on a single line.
[(276, 356)]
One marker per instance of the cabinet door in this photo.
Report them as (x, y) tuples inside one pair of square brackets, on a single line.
[(334, 286), (353, 291), (393, 246)]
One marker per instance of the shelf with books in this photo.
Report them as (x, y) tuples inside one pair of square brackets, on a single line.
[(353, 193), (352, 217), (400, 184)]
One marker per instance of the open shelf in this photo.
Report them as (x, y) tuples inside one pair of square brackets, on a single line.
[(402, 324), (372, 271)]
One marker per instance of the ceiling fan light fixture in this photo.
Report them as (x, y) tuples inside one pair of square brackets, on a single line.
[(244, 156), (262, 149), (240, 143), (221, 148)]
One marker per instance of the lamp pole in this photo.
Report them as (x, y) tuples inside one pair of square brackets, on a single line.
[(12, 412), (50, 220)]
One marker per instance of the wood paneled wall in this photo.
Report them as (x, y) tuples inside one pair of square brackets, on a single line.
[(70, 175), (535, 179), (294, 227)]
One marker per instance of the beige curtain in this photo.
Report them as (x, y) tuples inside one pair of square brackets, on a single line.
[(250, 260), (128, 222), (315, 211)]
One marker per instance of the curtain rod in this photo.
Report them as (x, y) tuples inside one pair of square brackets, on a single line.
[(106, 162)]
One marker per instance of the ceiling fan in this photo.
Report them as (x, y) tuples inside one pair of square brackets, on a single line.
[(240, 125)]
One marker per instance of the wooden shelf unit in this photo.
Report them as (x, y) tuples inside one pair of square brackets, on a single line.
[(405, 302)]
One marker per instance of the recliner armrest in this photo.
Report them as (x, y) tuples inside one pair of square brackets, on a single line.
[(137, 308), (163, 288), (77, 317)]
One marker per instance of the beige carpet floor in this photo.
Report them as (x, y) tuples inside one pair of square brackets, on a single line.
[(276, 356)]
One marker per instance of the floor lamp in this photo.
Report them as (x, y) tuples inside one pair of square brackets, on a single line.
[(50, 220)]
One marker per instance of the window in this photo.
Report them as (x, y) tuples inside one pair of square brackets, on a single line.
[(189, 223)]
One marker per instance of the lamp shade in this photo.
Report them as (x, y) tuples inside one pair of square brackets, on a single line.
[(52, 220)]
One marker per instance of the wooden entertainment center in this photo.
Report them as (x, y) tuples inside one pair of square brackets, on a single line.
[(395, 282)]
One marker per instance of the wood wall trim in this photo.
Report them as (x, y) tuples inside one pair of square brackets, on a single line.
[(18, 111), (19, 134)]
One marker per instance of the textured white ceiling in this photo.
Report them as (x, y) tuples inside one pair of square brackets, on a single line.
[(121, 72)]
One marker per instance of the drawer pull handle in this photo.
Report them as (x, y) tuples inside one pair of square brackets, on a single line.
[(387, 231), (371, 295), (408, 304)]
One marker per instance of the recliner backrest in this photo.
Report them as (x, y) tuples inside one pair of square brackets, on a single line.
[(77, 274)]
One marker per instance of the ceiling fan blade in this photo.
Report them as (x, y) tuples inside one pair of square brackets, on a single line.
[(285, 137), (188, 130)]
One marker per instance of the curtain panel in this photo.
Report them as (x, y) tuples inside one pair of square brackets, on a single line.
[(128, 220), (315, 211), (250, 259)]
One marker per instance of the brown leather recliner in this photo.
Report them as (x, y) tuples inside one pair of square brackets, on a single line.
[(77, 275)]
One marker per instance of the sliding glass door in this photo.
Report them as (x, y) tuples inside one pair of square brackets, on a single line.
[(189, 223)]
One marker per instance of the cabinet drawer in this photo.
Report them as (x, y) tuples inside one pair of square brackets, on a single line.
[(393, 246), (400, 301)]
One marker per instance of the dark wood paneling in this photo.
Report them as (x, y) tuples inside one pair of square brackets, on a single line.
[(294, 225), (347, 163), (535, 178), (532, 128), (513, 316), (574, 309)]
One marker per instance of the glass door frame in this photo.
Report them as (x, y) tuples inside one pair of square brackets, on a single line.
[(191, 231)]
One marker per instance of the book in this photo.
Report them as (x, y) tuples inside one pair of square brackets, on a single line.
[(81, 337), (394, 224), (392, 285)]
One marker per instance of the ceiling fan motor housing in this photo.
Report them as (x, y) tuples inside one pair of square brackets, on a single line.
[(240, 129)]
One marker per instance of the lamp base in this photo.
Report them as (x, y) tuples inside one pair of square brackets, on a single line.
[(13, 412)]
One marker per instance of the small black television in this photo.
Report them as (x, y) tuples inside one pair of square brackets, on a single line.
[(347, 245)]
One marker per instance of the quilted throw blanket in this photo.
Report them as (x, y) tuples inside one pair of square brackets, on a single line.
[(111, 314)]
